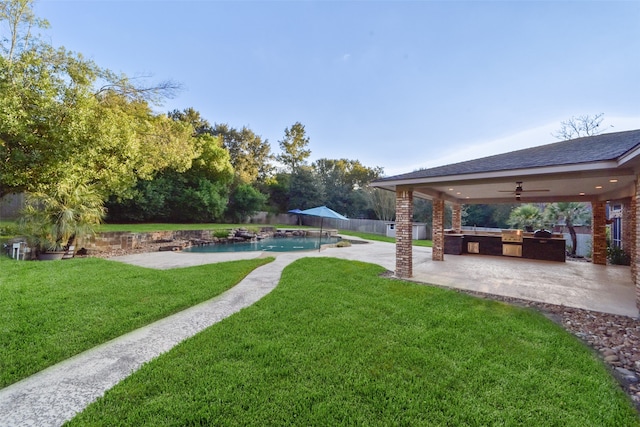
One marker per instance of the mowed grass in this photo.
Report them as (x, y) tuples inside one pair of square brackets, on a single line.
[(50, 311), (151, 227), (380, 238), (335, 344)]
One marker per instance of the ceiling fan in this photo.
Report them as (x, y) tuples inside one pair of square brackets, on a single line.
[(519, 190)]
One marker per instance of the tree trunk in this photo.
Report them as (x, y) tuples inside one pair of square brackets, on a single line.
[(574, 239)]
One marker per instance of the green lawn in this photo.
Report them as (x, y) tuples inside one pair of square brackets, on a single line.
[(335, 344), (50, 311), (378, 237), (143, 228)]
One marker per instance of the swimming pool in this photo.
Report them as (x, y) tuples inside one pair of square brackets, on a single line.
[(271, 244)]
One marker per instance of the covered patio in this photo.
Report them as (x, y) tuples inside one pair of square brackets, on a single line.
[(597, 170), (573, 284)]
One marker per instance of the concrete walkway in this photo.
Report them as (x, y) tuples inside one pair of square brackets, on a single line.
[(55, 395)]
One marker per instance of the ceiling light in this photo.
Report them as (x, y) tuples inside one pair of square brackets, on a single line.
[(458, 193), (582, 194), (613, 180), (598, 187), (451, 189)]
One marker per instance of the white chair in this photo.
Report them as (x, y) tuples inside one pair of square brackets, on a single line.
[(18, 250), (71, 250)]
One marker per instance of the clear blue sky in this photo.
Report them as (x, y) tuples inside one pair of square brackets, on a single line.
[(397, 84)]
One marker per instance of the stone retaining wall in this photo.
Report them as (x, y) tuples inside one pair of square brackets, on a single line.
[(125, 240)]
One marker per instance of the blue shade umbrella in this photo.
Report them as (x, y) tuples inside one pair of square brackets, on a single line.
[(296, 212), (323, 212)]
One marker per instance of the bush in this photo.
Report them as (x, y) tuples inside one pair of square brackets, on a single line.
[(8, 229), (221, 234), (618, 256)]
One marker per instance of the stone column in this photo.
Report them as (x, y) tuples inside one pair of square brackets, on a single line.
[(404, 233), (599, 233), (438, 230), (456, 217)]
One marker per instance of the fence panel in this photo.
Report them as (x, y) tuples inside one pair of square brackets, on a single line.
[(361, 225)]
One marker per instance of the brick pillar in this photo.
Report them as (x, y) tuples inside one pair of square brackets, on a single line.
[(438, 230), (404, 233), (636, 257), (629, 231), (456, 217), (599, 233)]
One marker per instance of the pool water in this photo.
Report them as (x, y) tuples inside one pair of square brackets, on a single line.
[(271, 244)]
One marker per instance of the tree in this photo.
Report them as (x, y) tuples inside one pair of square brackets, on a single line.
[(577, 127), (383, 203), (278, 190), (62, 116), (525, 216), (294, 147), (485, 215), (20, 19), (568, 213), (305, 189), (199, 194), (250, 156), (54, 220), (189, 115), (244, 202), (344, 182)]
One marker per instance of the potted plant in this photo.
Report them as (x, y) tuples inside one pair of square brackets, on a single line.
[(53, 219)]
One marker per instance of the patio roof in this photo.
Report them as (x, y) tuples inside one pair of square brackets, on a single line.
[(595, 168)]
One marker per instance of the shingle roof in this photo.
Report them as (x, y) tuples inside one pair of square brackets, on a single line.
[(608, 146)]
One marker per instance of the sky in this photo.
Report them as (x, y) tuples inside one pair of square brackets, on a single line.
[(401, 85)]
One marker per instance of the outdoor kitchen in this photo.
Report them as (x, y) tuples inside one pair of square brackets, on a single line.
[(541, 244)]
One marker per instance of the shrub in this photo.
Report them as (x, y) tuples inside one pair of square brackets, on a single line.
[(618, 256)]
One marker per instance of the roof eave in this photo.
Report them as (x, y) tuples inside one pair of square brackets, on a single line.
[(501, 175)]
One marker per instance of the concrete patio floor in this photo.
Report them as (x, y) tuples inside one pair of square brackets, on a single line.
[(607, 289)]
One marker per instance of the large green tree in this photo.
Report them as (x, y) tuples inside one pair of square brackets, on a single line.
[(62, 116), (305, 189), (194, 118), (294, 147), (199, 194), (244, 201), (278, 190), (344, 183), (250, 156)]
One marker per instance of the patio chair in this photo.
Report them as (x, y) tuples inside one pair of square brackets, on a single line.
[(19, 249), (69, 253)]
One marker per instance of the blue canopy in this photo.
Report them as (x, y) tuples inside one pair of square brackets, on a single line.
[(295, 211), (323, 212)]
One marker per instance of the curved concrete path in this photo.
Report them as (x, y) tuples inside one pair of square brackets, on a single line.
[(55, 395)]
